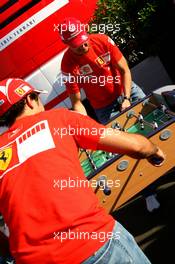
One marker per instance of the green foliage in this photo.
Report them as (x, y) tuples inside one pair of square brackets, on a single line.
[(144, 15), (134, 25)]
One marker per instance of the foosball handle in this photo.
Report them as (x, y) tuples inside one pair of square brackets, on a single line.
[(107, 190), (102, 182), (156, 160)]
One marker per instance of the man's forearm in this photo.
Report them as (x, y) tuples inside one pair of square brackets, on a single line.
[(127, 83), (77, 104), (126, 79), (133, 145), (79, 107)]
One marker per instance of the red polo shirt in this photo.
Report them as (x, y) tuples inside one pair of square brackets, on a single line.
[(38, 157), (102, 82)]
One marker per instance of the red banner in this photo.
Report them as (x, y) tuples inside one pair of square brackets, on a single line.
[(29, 32)]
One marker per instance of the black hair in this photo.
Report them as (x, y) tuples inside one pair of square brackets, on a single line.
[(16, 110)]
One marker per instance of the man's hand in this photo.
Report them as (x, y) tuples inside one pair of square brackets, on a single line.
[(126, 103), (158, 158)]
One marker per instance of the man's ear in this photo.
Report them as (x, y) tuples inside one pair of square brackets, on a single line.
[(29, 102)]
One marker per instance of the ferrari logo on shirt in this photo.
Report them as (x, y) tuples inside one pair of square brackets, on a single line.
[(5, 158), (100, 61), (86, 69)]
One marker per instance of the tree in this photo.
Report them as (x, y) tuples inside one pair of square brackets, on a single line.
[(138, 26)]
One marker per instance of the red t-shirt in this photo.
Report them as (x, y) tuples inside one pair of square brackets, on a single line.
[(37, 158), (94, 71)]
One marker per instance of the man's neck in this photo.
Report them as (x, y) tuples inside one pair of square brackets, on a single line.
[(29, 112)]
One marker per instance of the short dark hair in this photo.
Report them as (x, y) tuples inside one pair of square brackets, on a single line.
[(16, 110)]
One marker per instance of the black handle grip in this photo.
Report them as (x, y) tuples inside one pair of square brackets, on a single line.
[(102, 182), (156, 160), (107, 190)]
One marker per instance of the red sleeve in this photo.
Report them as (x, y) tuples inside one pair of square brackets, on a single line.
[(114, 50), (69, 74), (85, 130)]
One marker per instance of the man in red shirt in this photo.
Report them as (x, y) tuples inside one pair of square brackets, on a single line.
[(49, 221), (95, 63)]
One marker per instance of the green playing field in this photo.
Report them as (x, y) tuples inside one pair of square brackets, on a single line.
[(155, 116)]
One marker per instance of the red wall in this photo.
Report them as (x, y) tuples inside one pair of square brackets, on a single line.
[(40, 43)]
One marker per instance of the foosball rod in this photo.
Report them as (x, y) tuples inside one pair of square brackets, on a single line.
[(162, 107), (141, 120), (90, 159), (169, 112), (151, 104)]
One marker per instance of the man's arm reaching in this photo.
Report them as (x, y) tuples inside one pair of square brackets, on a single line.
[(92, 135), (133, 145)]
